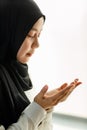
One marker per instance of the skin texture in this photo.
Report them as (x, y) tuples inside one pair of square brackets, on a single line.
[(44, 98), (49, 99), (31, 42)]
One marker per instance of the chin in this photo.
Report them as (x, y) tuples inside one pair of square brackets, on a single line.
[(24, 60)]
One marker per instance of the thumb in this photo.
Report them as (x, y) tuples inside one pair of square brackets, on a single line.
[(43, 91)]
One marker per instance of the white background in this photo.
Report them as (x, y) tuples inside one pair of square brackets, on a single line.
[(62, 55)]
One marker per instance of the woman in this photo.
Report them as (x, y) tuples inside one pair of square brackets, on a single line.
[(21, 22)]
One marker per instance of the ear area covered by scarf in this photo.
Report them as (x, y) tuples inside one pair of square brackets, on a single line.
[(17, 17)]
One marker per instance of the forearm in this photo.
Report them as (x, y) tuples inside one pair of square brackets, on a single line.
[(30, 118)]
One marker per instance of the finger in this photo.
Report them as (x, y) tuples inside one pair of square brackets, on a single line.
[(43, 91), (65, 94), (76, 80), (75, 84), (70, 91), (66, 91), (61, 97), (58, 95), (63, 86), (78, 83)]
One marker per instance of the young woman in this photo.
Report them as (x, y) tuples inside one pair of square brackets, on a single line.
[(21, 22)]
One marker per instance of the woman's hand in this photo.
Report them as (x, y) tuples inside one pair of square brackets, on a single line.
[(49, 99)]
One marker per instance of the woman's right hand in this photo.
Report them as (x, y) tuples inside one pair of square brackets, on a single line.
[(49, 99)]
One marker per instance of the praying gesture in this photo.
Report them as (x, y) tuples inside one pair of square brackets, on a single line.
[(49, 99)]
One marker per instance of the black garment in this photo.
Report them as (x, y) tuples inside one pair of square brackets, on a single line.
[(16, 19)]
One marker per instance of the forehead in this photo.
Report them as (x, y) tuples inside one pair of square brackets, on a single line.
[(38, 25)]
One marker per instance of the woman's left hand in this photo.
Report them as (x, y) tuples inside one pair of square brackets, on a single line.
[(71, 86), (50, 99)]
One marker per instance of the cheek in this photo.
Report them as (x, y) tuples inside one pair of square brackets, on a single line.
[(27, 45)]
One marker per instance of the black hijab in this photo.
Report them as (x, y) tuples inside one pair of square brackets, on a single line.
[(16, 19)]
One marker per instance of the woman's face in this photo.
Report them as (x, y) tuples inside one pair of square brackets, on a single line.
[(30, 43)]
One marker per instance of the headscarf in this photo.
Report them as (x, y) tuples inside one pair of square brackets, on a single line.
[(16, 19)]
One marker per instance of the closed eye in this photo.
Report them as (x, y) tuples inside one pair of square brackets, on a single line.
[(30, 36)]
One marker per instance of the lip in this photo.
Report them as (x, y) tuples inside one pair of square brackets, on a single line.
[(29, 54)]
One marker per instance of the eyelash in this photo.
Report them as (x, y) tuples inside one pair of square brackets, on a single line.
[(30, 35)]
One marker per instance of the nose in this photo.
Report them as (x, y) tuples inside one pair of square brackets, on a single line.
[(36, 43)]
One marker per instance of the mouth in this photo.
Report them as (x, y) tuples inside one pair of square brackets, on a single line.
[(29, 54)]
